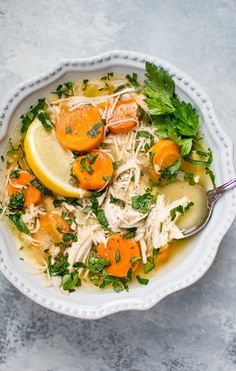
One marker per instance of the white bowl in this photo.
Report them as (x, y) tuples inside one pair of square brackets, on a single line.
[(191, 264)]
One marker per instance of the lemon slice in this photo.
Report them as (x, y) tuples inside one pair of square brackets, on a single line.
[(50, 162)]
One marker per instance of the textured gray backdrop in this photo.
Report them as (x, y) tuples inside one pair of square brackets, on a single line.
[(194, 329)]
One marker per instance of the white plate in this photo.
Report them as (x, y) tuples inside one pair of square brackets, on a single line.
[(191, 264)]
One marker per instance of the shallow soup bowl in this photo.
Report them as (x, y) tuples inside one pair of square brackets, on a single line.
[(197, 256)]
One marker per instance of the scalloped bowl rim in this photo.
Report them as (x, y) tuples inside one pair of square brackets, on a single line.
[(127, 59)]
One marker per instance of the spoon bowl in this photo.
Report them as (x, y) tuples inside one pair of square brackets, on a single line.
[(212, 196)]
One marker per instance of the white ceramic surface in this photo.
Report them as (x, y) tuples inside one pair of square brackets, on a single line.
[(190, 264)]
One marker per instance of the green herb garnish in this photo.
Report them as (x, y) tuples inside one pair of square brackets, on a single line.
[(20, 225), (130, 234), (91, 159), (17, 201), (93, 133), (142, 203), (36, 183), (117, 256), (135, 259), (65, 89), (28, 117), (117, 201), (45, 120), (142, 281)]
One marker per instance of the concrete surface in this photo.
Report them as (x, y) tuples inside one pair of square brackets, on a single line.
[(194, 329)]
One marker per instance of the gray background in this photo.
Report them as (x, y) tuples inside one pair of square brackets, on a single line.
[(194, 329)]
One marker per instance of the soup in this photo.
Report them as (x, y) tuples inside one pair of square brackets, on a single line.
[(102, 177)]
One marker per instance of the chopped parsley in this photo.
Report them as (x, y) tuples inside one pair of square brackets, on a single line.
[(151, 261), (68, 130), (15, 174), (93, 133), (130, 233), (117, 256), (142, 281), (70, 281), (170, 173), (98, 211), (116, 164), (142, 202), (65, 89), (107, 178), (28, 117), (20, 225), (135, 259), (36, 183), (117, 201), (91, 158), (45, 120), (84, 166), (59, 267), (180, 209), (17, 201)]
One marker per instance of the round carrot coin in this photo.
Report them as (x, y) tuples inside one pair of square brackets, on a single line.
[(80, 129), (53, 225), (16, 185), (122, 254), (93, 170), (124, 116), (166, 152)]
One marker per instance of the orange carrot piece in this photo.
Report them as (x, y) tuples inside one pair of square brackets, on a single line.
[(125, 114), (93, 175), (53, 225), (81, 129), (32, 194), (119, 252), (166, 152)]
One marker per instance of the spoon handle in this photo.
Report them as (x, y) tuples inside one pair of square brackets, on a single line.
[(215, 194)]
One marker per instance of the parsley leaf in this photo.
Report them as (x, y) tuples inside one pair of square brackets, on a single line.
[(180, 209), (169, 173), (45, 120), (59, 267), (142, 202), (135, 259), (117, 201), (185, 118), (142, 281), (91, 159), (133, 79), (79, 265), (159, 89), (130, 234), (93, 133), (36, 183), (15, 174), (28, 117), (65, 89), (17, 201), (70, 281), (117, 256), (96, 264), (151, 262), (98, 211), (20, 225), (211, 175)]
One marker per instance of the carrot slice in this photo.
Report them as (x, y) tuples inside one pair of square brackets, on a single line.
[(166, 152), (119, 252), (53, 226), (124, 116), (32, 194), (94, 170), (81, 129)]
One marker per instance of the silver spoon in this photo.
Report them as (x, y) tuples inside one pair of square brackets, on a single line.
[(212, 196)]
